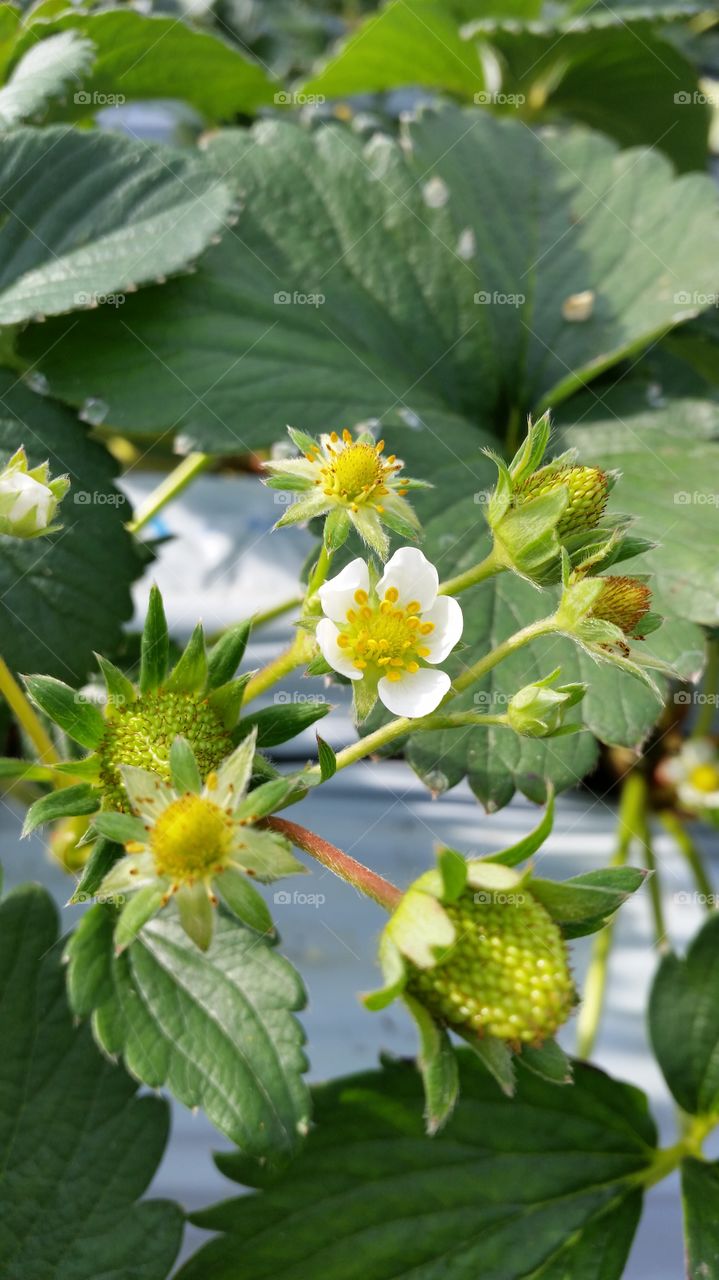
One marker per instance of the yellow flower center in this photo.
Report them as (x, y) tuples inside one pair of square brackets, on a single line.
[(356, 473), (705, 777), (190, 839), (385, 636)]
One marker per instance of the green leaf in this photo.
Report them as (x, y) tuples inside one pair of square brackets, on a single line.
[(155, 646), (190, 673), (64, 1099), (226, 655), (70, 801), (668, 453), (327, 759), (184, 770), (215, 1027), (284, 720), (407, 43), (47, 585), (120, 827), (700, 1196), (72, 711), (25, 770), (528, 845), (145, 56), (368, 1176), (398, 291), (41, 74), (684, 1022), (128, 215)]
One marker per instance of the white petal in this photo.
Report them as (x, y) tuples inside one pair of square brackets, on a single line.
[(697, 752), (416, 694), (149, 795), (327, 634), (293, 467), (446, 615), (337, 595), (414, 576)]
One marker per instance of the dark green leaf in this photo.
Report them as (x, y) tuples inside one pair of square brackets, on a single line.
[(72, 1214), (593, 895), (684, 1022), (700, 1196), (215, 1027), (129, 214), (544, 1184)]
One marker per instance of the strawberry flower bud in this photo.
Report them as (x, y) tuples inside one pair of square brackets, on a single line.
[(538, 710), (29, 498), (536, 510)]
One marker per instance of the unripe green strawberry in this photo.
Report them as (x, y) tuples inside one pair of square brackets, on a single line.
[(508, 973), (624, 602), (588, 490), (142, 732)]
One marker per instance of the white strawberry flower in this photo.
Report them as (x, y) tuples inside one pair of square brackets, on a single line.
[(29, 498), (388, 637), (695, 774)]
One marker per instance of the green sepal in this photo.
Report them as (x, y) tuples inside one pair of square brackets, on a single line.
[(496, 1056), (318, 666), (120, 691), (268, 856), (337, 528), (226, 700), (327, 759), (88, 768), (226, 655), (419, 926), (79, 719), (140, 908), (25, 770), (302, 440), (244, 901), (453, 870), (368, 524), (282, 721), (394, 972), (196, 914), (528, 845), (266, 798), (438, 1067), (70, 802), (287, 481), (586, 902), (364, 697), (101, 861), (120, 827), (190, 674), (184, 772), (155, 645), (549, 1061)]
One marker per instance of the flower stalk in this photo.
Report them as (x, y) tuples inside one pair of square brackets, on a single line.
[(169, 488), (340, 864), (27, 717)]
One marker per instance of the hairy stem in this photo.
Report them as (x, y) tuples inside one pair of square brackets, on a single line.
[(25, 713), (341, 864), (486, 568), (299, 652), (666, 1161), (687, 847), (631, 803), (544, 627), (169, 488), (382, 737), (320, 571)]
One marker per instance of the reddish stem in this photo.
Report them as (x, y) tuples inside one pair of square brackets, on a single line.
[(355, 873)]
